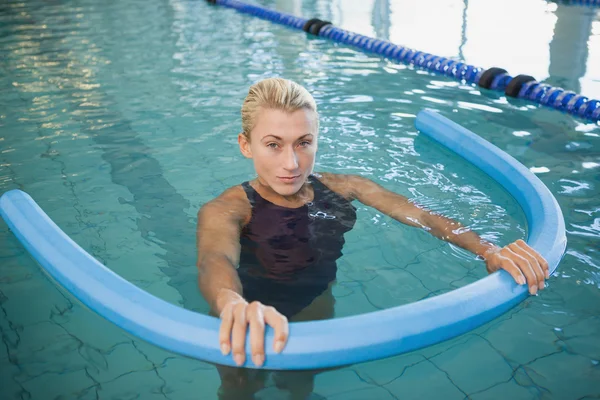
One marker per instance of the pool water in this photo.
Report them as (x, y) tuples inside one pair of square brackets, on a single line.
[(120, 120)]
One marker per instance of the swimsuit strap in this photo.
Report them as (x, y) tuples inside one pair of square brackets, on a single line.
[(322, 191), (250, 193), (318, 186)]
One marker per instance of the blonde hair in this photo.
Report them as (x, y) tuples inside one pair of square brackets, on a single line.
[(278, 94)]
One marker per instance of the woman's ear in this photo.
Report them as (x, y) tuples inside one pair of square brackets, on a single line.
[(244, 145)]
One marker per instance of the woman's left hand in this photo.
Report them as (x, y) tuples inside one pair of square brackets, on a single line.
[(522, 262)]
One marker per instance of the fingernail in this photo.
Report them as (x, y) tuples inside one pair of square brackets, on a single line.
[(542, 285), (521, 281), (533, 289), (547, 274), (278, 346), (258, 359), (224, 348), (239, 359)]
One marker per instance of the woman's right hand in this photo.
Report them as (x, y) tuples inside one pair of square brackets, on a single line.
[(236, 315)]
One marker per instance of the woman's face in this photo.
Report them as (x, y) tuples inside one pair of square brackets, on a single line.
[(283, 147)]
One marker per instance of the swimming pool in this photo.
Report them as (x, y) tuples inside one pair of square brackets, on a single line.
[(121, 120)]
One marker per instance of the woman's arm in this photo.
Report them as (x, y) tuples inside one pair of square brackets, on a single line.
[(218, 243), (402, 209), (218, 240), (521, 261)]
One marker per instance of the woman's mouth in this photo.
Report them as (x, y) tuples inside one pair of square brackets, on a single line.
[(288, 179)]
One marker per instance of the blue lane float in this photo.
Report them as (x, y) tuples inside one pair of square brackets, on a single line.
[(590, 3), (524, 87), (315, 344)]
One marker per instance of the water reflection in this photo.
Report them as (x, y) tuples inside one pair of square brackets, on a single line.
[(557, 43), (569, 47), (381, 19)]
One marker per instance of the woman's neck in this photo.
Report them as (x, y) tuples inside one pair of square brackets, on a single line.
[(304, 195)]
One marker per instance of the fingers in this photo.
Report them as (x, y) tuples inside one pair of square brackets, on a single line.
[(225, 329), (511, 267), (541, 260), (280, 325), (257, 332), (523, 263), (236, 317), (525, 267), (238, 333), (533, 262)]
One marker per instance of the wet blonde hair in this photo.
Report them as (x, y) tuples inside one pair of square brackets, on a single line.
[(278, 94)]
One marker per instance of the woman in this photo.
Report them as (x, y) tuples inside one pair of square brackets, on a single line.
[(267, 249)]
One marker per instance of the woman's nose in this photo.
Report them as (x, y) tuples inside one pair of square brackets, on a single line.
[(291, 160)]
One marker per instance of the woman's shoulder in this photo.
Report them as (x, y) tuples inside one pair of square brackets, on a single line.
[(232, 201), (346, 185)]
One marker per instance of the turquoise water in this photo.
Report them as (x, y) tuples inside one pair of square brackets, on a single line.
[(120, 120)]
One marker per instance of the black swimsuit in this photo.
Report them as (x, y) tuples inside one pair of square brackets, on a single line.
[(288, 255)]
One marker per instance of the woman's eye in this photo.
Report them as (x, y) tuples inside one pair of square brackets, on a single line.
[(304, 143), (272, 145)]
